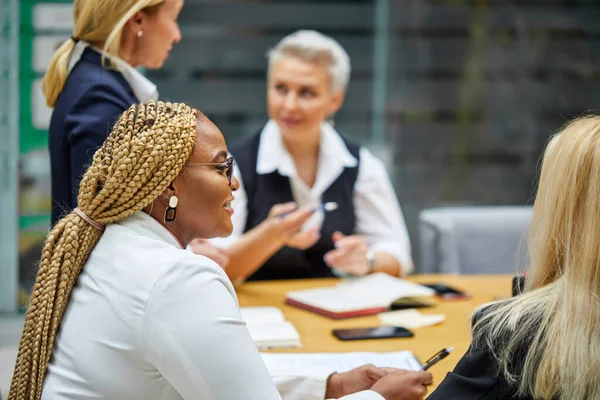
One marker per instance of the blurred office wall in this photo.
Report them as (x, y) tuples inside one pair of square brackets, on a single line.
[(457, 96), (477, 88), (43, 26), (9, 145), (472, 88)]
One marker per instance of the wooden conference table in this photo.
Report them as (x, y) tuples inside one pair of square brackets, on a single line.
[(315, 330)]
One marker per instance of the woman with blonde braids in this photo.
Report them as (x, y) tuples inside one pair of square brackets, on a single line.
[(147, 319), (545, 343)]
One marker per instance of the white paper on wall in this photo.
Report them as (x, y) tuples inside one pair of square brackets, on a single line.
[(44, 47), (53, 16), (40, 112)]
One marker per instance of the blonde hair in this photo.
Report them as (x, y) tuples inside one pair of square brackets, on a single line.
[(95, 21), (146, 150), (314, 47), (555, 324)]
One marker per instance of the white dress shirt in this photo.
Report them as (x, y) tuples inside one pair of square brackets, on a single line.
[(148, 320), (379, 218), (143, 89)]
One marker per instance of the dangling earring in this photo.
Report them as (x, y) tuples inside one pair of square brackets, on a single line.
[(139, 34), (171, 211)]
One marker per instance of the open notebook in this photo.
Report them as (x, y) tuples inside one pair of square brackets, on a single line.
[(356, 297), (268, 327)]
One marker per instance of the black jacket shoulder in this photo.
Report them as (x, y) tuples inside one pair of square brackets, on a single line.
[(477, 376)]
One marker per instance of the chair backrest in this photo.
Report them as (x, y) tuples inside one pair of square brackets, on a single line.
[(474, 240)]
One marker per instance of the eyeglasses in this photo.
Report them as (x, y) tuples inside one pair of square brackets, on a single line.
[(226, 166)]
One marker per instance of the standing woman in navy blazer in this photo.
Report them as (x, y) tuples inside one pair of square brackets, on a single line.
[(92, 79)]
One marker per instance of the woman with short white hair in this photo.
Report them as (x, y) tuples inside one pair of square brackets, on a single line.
[(299, 161)]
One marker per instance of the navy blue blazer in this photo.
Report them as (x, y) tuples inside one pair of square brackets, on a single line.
[(90, 103), (476, 377)]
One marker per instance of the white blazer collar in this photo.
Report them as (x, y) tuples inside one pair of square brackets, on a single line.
[(147, 226)]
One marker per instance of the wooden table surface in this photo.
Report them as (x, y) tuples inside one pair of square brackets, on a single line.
[(315, 330)]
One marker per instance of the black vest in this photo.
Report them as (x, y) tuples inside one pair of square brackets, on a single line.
[(264, 191)]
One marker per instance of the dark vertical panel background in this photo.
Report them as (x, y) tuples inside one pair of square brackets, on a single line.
[(474, 90)]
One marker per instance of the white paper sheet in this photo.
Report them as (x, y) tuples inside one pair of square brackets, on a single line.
[(410, 318), (339, 362), (261, 315), (269, 329)]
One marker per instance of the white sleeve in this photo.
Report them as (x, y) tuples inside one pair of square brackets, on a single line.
[(194, 335), (379, 217), (300, 385), (310, 385), (364, 395), (240, 213)]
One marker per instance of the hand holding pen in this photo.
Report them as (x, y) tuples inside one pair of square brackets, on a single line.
[(290, 220), (300, 239), (287, 220)]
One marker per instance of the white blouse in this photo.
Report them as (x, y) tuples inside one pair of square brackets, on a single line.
[(379, 217), (149, 320)]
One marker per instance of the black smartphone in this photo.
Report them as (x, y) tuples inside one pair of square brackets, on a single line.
[(447, 292), (380, 332)]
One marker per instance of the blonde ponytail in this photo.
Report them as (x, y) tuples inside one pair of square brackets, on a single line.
[(146, 150), (56, 75)]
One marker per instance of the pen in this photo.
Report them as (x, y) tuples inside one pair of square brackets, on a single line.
[(440, 355), (329, 206)]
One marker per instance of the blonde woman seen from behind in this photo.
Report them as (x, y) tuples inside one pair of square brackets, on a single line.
[(543, 344), (148, 319), (91, 80)]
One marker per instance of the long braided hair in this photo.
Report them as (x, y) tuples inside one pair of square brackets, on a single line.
[(146, 150)]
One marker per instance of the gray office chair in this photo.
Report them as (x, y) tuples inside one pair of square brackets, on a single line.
[(474, 240)]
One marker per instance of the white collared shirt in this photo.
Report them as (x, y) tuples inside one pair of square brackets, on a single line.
[(148, 320), (143, 89), (379, 217)]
